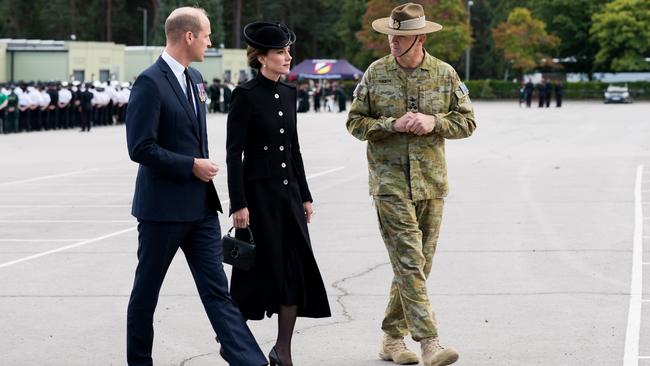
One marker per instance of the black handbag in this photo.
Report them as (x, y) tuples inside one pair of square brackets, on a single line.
[(239, 253)]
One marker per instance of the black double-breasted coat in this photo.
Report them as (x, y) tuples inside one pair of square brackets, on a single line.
[(266, 175)]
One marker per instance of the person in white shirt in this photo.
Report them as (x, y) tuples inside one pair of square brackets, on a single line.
[(65, 97), (24, 108), (43, 117)]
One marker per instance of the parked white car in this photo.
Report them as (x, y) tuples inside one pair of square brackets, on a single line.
[(617, 94)]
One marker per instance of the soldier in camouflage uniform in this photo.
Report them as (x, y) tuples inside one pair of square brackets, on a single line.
[(405, 106)]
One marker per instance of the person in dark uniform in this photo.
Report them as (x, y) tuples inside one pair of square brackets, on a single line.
[(529, 93), (340, 97), (76, 118), (559, 93), (318, 93), (269, 192), (215, 95), (53, 107), (86, 105), (303, 98), (4, 93), (12, 111), (548, 92), (541, 93), (227, 97)]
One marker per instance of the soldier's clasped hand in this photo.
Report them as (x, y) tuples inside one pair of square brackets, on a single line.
[(204, 169), (400, 124), (421, 124)]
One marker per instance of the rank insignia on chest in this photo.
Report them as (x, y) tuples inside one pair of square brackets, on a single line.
[(203, 96)]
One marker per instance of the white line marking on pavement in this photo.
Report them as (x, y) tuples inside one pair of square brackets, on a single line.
[(66, 221), (64, 206), (39, 240), (631, 356), (89, 241), (75, 194), (7, 264), (47, 177), (325, 172)]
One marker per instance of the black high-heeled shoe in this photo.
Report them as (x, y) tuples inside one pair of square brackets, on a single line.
[(274, 360)]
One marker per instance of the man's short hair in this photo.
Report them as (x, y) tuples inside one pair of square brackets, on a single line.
[(181, 20)]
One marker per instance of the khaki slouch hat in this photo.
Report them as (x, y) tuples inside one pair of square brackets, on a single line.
[(406, 20)]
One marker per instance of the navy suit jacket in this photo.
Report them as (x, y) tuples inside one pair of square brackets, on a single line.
[(164, 136)]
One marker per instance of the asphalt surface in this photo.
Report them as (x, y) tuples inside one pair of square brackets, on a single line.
[(539, 260)]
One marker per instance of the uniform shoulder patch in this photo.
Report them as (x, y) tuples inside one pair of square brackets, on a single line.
[(359, 92), (461, 91), (463, 88)]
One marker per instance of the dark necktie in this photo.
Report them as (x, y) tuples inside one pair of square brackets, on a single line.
[(188, 82)]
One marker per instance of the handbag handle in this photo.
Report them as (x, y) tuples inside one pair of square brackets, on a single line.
[(252, 241)]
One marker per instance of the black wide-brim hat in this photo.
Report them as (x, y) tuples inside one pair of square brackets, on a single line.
[(267, 36)]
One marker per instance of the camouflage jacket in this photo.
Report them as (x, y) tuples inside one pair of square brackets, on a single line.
[(404, 164)]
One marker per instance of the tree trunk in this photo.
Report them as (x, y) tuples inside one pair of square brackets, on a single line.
[(236, 25), (73, 17), (109, 24)]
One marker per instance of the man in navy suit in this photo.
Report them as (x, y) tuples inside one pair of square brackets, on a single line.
[(175, 200)]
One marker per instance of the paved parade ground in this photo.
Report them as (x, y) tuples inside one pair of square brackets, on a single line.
[(540, 259)]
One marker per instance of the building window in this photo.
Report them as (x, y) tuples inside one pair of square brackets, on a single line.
[(79, 75), (243, 76), (104, 75)]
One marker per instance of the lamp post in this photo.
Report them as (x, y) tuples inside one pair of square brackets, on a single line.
[(144, 25), (469, 24)]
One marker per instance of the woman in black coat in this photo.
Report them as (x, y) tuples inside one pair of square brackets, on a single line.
[(269, 193)]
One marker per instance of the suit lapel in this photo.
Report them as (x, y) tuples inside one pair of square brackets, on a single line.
[(200, 111), (182, 98), (197, 105)]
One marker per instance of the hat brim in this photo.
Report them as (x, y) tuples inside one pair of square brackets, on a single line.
[(381, 25), (250, 28)]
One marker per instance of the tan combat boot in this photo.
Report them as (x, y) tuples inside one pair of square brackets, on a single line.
[(394, 349), (433, 354)]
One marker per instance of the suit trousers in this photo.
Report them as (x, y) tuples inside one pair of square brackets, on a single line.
[(410, 231), (200, 241)]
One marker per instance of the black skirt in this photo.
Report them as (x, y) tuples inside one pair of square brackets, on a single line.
[(285, 274)]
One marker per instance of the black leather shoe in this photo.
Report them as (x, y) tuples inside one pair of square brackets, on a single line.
[(221, 350), (273, 358)]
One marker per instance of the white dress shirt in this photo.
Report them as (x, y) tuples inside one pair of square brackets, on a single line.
[(179, 72)]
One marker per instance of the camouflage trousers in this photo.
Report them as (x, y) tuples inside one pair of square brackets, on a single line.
[(410, 231)]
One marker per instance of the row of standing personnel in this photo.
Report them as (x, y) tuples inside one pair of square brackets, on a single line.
[(59, 105), (544, 93)]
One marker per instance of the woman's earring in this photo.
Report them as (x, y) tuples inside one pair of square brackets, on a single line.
[(263, 65)]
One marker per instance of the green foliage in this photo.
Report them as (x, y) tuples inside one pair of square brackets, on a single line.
[(451, 42), (347, 24), (622, 30), (341, 28), (448, 44), (59, 19), (523, 41), (570, 20), (492, 89), (372, 41), (500, 89), (214, 8)]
